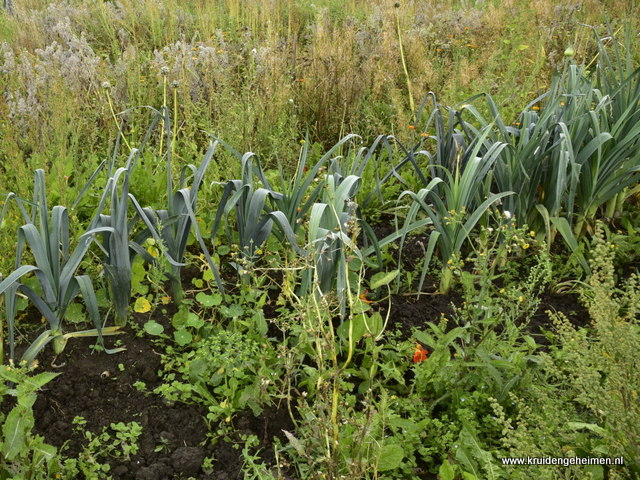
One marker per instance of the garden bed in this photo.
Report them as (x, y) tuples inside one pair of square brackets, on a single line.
[(174, 440)]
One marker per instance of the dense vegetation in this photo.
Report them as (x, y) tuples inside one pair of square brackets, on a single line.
[(467, 163)]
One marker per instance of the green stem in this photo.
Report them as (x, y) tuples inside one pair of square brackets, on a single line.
[(115, 119), (404, 64), (445, 280), (176, 286), (175, 117), (164, 104)]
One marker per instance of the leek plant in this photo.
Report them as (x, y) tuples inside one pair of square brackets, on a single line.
[(115, 232), (579, 154), (253, 218), (331, 232), (55, 268), (615, 164), (295, 194), (171, 226), (464, 200), (449, 140)]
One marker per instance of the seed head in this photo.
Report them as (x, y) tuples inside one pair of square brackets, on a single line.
[(106, 85)]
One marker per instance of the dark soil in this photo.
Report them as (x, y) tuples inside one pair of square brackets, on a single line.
[(174, 442), (99, 387)]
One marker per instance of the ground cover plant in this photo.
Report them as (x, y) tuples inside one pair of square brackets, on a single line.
[(242, 289)]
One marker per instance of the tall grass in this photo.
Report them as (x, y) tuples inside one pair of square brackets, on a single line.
[(259, 73)]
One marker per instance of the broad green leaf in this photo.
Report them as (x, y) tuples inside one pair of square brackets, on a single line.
[(75, 313), (40, 380), (153, 328), (17, 424), (208, 300), (194, 321), (181, 318), (596, 471), (446, 471), (182, 337), (390, 457), (469, 476), (383, 278), (232, 311), (356, 325), (373, 323), (588, 426)]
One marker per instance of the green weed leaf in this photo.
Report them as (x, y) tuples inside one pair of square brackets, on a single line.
[(390, 457), (383, 278), (153, 328)]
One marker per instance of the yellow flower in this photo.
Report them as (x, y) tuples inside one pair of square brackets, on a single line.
[(521, 299), (532, 234), (525, 246), (502, 290)]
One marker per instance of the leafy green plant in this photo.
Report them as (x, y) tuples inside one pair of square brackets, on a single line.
[(55, 268), (331, 236), (294, 194), (23, 454), (226, 371), (172, 226), (253, 223), (465, 199), (115, 231), (118, 440)]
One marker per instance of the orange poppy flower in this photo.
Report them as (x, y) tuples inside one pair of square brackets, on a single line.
[(420, 354), (363, 297)]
